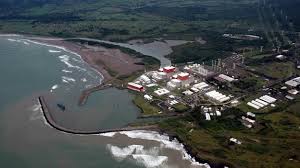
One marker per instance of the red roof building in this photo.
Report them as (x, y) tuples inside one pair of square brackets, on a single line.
[(169, 69), (183, 76), (135, 87)]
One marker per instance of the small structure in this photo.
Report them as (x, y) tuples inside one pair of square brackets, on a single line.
[(207, 117), (161, 92), (262, 102), (158, 76), (183, 76), (201, 86), (268, 99), (293, 92), (224, 78), (293, 82), (281, 57), (289, 97), (135, 87), (215, 95), (234, 140), (187, 92), (148, 97), (169, 69), (145, 79), (249, 114), (198, 69)]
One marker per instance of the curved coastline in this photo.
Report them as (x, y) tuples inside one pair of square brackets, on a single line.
[(49, 118)]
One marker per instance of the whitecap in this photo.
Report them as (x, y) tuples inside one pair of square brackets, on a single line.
[(12, 40), (165, 143), (66, 71), (66, 59), (122, 153), (84, 80), (67, 79), (54, 51), (150, 161), (26, 43), (108, 134), (64, 49)]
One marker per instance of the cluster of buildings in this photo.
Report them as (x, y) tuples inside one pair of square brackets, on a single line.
[(217, 96), (187, 80), (248, 120), (262, 102), (209, 112)]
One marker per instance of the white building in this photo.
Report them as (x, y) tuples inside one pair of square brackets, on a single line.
[(148, 97), (226, 78), (201, 86), (161, 92), (145, 79), (294, 82), (215, 95)]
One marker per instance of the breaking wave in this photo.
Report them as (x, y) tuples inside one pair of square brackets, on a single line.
[(67, 79), (53, 88), (66, 50), (165, 142), (66, 59), (150, 161), (66, 71), (54, 51), (147, 157)]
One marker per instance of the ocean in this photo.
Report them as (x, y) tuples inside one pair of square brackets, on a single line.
[(29, 69)]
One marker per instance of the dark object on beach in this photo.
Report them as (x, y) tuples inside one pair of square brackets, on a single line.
[(61, 106)]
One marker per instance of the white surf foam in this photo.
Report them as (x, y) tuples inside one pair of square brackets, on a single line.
[(66, 59), (68, 79), (66, 71), (165, 143), (12, 40), (26, 43), (54, 51), (53, 88), (109, 134), (122, 153), (64, 49), (150, 161), (84, 80), (147, 157)]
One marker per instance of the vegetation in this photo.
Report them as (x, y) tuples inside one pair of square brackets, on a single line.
[(274, 140), (180, 107), (146, 107)]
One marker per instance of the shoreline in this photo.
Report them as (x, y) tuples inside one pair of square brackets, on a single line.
[(105, 78), (193, 158)]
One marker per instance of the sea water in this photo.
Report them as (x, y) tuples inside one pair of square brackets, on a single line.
[(29, 69)]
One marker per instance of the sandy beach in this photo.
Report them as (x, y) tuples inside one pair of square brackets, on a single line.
[(109, 62)]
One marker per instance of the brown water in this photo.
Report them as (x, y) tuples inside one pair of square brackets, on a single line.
[(29, 70)]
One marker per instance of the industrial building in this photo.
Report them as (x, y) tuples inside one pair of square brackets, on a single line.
[(198, 69), (161, 92), (224, 78), (293, 82), (262, 102), (201, 86), (158, 76), (135, 87), (145, 79), (217, 96)]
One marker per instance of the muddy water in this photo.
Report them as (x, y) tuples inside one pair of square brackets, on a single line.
[(28, 70), (156, 49)]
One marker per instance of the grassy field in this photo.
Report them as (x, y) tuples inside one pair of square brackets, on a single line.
[(145, 106), (272, 143), (277, 70)]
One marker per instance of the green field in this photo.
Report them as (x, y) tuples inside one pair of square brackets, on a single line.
[(274, 142), (145, 106)]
